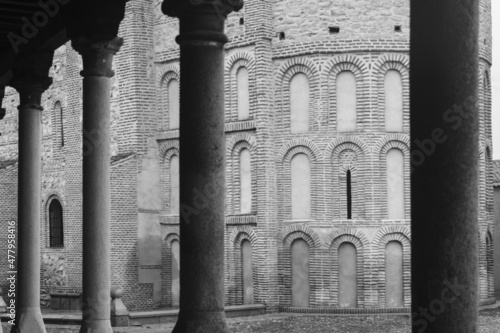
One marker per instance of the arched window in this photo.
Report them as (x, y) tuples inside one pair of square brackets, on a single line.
[(58, 128), (395, 184), (393, 88), (299, 103), (247, 271), (346, 101), (301, 187), (175, 272), (347, 275), (243, 94), (300, 273), (174, 185), (394, 296), (245, 182), (56, 234), (173, 104)]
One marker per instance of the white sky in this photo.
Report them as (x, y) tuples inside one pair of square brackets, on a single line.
[(496, 79)]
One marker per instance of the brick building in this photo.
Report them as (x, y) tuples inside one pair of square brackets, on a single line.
[(318, 159)]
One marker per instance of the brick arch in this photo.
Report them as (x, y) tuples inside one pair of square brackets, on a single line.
[(239, 234), (166, 269), (56, 98), (235, 139), (350, 142), (337, 174), (236, 144), (164, 75), (401, 142), (385, 58), (406, 232), (172, 69), (170, 153), (299, 150), (359, 240), (287, 152), (285, 239), (364, 242), (164, 148), (233, 64), (239, 146), (290, 233), (486, 274), (243, 57), (395, 144), (347, 62), (313, 151), (171, 237), (383, 237), (234, 278), (53, 194), (355, 65), (166, 152), (401, 64), (404, 139), (283, 78), (293, 66)]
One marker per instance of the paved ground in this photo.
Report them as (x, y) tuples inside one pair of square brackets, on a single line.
[(489, 322)]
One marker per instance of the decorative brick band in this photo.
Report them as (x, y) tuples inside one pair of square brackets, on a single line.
[(289, 309)]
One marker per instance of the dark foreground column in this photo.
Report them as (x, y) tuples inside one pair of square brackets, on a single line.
[(2, 94), (444, 156), (30, 80), (202, 163), (96, 208)]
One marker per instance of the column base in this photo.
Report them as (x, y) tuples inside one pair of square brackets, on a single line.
[(96, 326), (28, 320), (196, 322)]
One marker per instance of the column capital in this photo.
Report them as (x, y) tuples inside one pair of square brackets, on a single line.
[(176, 8), (97, 55), (30, 78)]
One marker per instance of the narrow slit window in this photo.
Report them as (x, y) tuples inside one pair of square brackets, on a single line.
[(349, 194)]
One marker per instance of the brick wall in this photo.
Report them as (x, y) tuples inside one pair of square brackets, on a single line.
[(367, 44)]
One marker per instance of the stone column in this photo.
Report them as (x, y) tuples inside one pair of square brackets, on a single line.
[(30, 79), (202, 162), (444, 157), (96, 206)]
